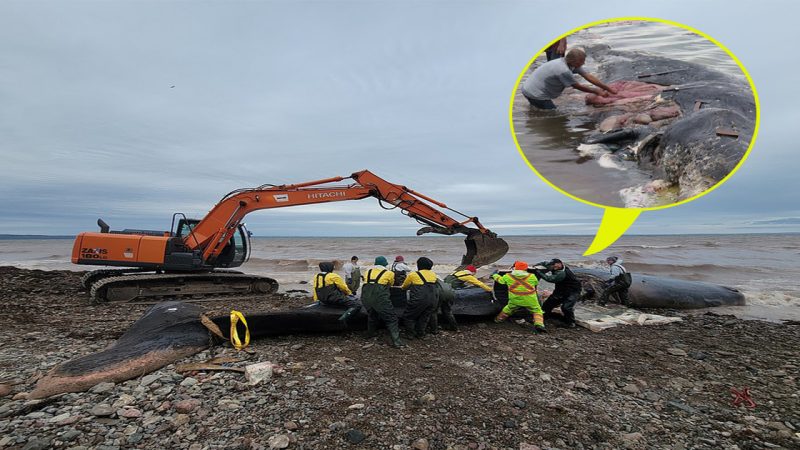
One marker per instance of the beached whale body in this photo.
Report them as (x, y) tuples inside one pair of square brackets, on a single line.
[(166, 333), (693, 149), (171, 331), (648, 291)]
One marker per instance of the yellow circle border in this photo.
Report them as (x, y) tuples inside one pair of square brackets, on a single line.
[(649, 19)]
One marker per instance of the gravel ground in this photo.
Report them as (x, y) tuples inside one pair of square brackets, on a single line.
[(487, 386)]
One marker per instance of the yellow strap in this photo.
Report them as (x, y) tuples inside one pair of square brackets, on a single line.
[(236, 316)]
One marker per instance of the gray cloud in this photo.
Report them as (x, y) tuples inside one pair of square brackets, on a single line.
[(284, 92)]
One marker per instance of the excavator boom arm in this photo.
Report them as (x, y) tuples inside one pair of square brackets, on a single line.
[(213, 232)]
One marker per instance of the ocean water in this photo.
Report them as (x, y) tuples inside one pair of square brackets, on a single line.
[(765, 267)]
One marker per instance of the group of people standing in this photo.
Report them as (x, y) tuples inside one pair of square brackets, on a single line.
[(428, 296)]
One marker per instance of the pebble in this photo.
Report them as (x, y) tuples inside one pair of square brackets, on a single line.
[(129, 413), (427, 398), (420, 444), (290, 425), (180, 420), (59, 418), (278, 441), (356, 406), (336, 426), (189, 382), (676, 351), (70, 435), (102, 388), (546, 377), (102, 410), (147, 380), (631, 388), (5, 389), (632, 437), (124, 400), (37, 444), (355, 436), (187, 406)]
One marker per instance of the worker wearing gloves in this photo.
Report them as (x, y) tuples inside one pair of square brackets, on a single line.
[(567, 291), (377, 282), (460, 279), (618, 283), (521, 294), (424, 295), (330, 290)]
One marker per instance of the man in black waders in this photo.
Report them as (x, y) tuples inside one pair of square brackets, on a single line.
[(567, 291), (618, 284), (376, 299), (330, 290), (424, 295)]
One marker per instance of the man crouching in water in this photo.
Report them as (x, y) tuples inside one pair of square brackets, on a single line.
[(521, 294), (330, 290), (549, 80)]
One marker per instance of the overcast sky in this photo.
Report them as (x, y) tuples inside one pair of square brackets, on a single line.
[(282, 92)]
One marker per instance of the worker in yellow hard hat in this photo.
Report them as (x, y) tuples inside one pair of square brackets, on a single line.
[(521, 294)]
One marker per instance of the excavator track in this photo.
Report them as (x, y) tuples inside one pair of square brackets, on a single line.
[(91, 277), (183, 286)]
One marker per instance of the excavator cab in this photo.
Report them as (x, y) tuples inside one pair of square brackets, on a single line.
[(235, 253)]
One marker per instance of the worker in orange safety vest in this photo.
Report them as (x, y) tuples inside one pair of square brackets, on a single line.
[(521, 294)]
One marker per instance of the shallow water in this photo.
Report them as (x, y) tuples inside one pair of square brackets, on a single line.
[(764, 267), (550, 139)]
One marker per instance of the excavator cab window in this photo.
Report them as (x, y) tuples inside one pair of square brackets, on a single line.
[(185, 226), (241, 239)]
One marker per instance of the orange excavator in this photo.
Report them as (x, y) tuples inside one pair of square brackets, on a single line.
[(193, 258)]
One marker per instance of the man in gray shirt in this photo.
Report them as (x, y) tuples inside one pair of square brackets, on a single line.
[(549, 80)]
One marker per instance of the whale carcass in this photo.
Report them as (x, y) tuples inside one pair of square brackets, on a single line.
[(171, 331), (688, 124)]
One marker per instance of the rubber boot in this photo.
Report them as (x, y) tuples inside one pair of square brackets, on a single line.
[(501, 317), (452, 325), (372, 328), (347, 314), (394, 334), (410, 327), (538, 323), (433, 324)]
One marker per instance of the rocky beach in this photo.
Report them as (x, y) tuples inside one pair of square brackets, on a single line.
[(487, 386)]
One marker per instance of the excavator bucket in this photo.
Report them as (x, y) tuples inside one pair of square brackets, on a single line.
[(483, 249)]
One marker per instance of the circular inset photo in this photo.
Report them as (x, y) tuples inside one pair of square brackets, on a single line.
[(639, 113)]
